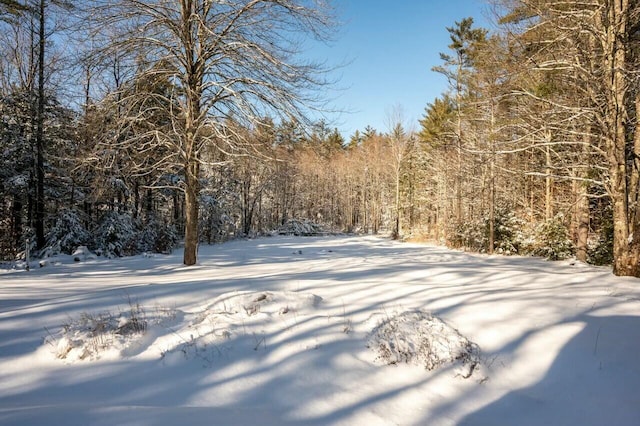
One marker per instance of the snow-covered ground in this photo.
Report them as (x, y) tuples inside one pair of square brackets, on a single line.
[(276, 331)]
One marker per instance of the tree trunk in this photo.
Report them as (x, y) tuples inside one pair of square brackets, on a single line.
[(176, 208), (622, 259), (16, 214), (39, 207), (582, 216), (247, 205), (492, 213), (149, 203), (396, 226), (136, 199), (548, 179), (634, 181), (492, 183), (191, 212), (626, 246), (459, 143)]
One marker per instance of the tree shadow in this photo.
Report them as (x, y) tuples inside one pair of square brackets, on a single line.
[(291, 379), (583, 384)]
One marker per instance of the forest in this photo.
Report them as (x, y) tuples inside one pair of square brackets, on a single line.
[(133, 127)]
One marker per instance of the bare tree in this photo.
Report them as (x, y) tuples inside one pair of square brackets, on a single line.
[(593, 43), (401, 142), (223, 59), (10, 8)]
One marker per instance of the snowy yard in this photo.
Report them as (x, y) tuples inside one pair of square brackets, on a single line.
[(276, 331)]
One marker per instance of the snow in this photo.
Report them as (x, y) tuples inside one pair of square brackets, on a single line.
[(419, 338), (277, 331), (82, 253)]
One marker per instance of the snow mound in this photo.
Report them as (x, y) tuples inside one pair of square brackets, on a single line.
[(82, 253), (105, 335), (247, 304), (241, 322), (418, 338), (237, 321)]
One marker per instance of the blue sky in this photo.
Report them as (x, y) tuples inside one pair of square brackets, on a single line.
[(388, 48)]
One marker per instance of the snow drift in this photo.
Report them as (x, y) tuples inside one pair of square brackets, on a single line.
[(274, 331), (418, 338)]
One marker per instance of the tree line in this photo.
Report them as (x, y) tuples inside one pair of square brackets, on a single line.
[(108, 105), (540, 125), (187, 119)]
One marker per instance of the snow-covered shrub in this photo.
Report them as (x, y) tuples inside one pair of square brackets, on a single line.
[(157, 236), (300, 227), (508, 233), (7, 239), (66, 234), (552, 240), (470, 235), (166, 238), (601, 250), (216, 224), (82, 253), (116, 235), (418, 338), (92, 335)]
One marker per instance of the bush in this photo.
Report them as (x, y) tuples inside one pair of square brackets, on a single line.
[(418, 338), (8, 247), (116, 235), (216, 224), (299, 227), (157, 236), (470, 235), (67, 233), (166, 238), (552, 240), (509, 235), (601, 252), (474, 235)]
